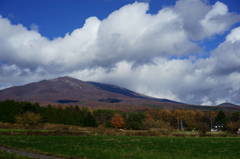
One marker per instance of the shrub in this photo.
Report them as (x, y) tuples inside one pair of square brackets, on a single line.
[(134, 121), (28, 119), (202, 128), (233, 127), (148, 124)]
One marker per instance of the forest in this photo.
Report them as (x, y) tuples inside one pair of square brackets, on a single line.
[(32, 114)]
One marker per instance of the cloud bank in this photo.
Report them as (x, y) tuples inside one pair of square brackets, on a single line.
[(156, 54)]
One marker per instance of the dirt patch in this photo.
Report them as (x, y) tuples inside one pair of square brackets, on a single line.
[(28, 154)]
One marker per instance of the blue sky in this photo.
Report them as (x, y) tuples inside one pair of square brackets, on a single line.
[(49, 14), (185, 50)]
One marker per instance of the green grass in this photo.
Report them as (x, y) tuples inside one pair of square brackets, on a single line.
[(126, 147), (13, 130), (22, 130), (5, 155)]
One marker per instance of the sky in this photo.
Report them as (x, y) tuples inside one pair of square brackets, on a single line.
[(183, 50)]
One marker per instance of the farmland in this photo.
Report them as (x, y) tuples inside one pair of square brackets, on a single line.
[(132, 147)]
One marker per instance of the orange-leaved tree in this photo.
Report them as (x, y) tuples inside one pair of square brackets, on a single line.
[(117, 121)]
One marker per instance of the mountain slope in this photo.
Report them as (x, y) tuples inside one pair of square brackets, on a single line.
[(67, 90)]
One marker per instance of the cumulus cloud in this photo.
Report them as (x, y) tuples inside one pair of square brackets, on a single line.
[(99, 43), (208, 81), (234, 35), (201, 20), (149, 53)]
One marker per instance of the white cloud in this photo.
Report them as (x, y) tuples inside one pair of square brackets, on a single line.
[(129, 33), (202, 20), (181, 80), (213, 80), (234, 36), (211, 22)]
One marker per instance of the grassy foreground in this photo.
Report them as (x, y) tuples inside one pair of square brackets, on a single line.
[(132, 147)]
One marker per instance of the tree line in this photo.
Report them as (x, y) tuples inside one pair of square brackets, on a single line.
[(30, 114)]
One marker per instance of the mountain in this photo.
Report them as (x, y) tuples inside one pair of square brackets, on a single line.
[(228, 105), (70, 91), (67, 90)]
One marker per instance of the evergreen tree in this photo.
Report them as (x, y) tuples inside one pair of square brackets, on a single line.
[(220, 120)]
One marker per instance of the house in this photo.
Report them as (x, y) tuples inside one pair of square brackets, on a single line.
[(218, 126), (238, 132)]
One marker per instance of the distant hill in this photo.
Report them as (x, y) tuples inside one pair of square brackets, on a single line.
[(71, 91), (228, 105)]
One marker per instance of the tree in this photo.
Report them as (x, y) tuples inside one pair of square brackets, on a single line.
[(134, 120), (233, 126), (148, 124), (28, 119), (148, 116), (212, 116), (117, 121), (221, 119), (88, 118), (179, 115), (235, 116), (202, 128), (103, 117)]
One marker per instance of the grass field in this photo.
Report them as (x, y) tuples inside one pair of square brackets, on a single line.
[(21, 130), (124, 147)]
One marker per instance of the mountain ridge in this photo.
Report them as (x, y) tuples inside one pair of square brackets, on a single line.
[(70, 91)]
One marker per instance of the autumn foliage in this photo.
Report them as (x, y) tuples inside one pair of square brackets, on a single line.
[(31, 115), (117, 121)]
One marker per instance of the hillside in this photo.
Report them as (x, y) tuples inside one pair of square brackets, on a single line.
[(71, 91)]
